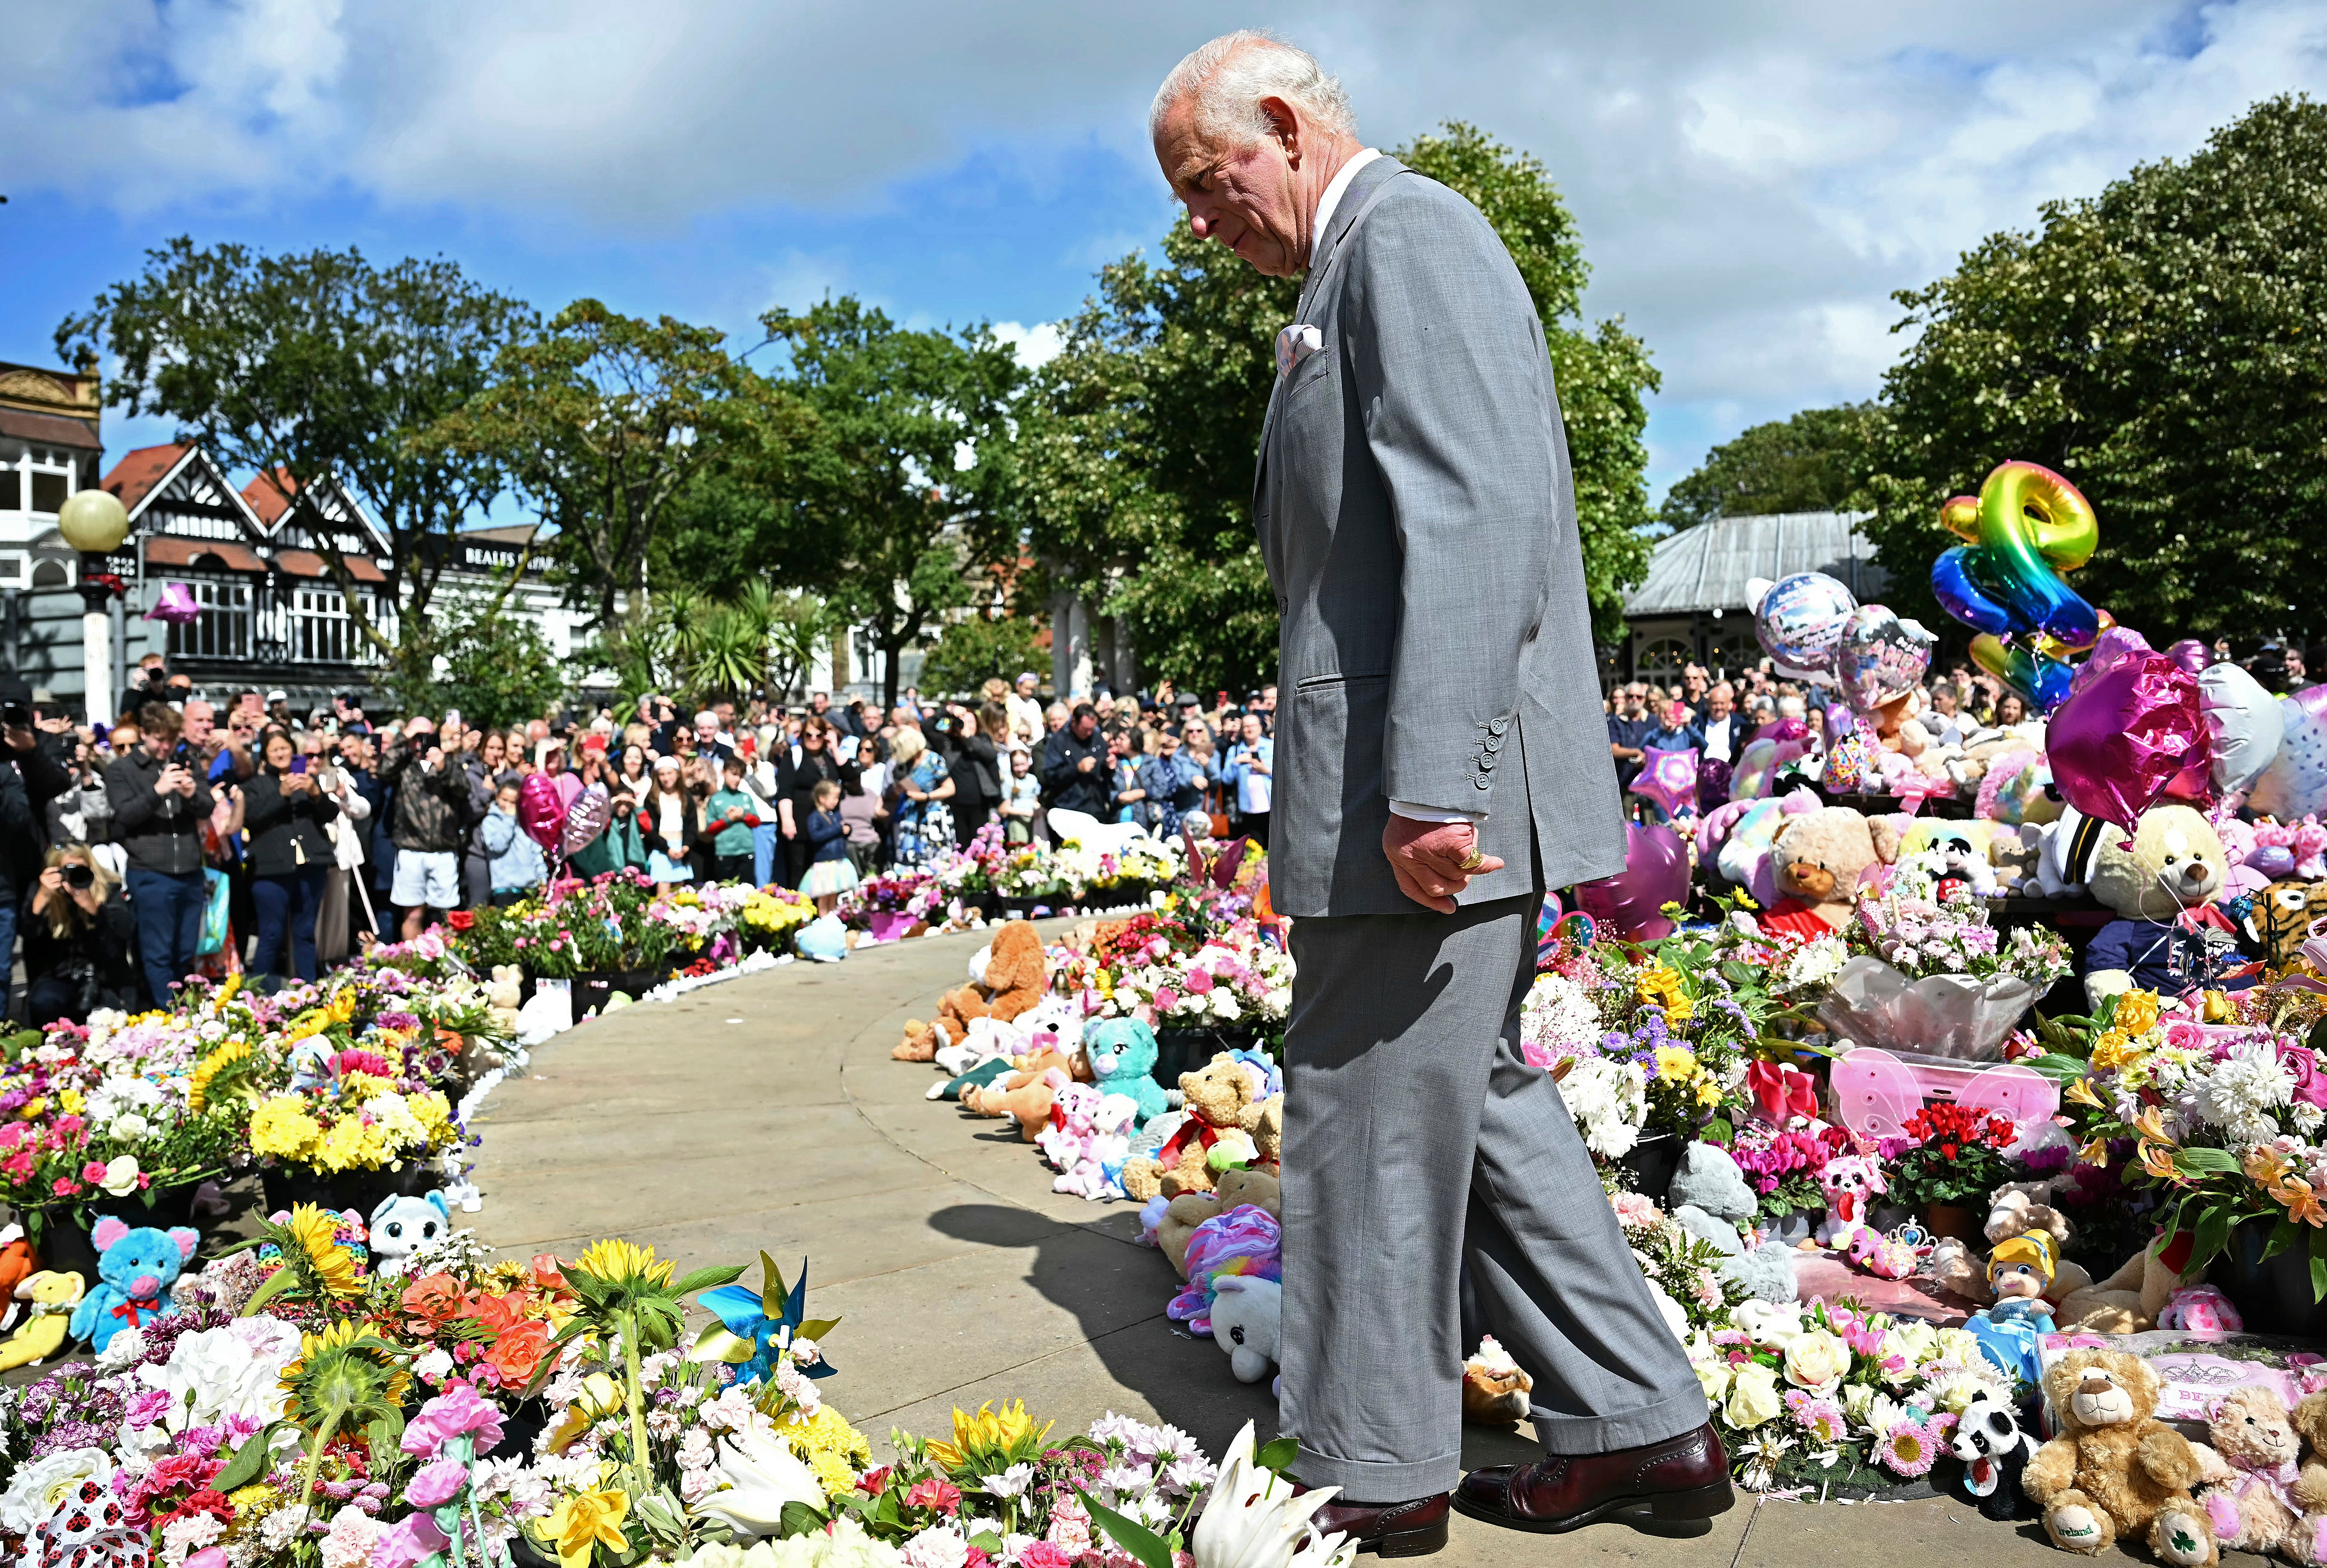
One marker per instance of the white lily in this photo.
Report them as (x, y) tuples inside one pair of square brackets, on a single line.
[(761, 1474), (1253, 1519)]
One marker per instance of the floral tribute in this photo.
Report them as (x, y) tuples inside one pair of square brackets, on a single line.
[(617, 923)]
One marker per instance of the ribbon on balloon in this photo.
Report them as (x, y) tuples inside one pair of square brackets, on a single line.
[(2025, 527)]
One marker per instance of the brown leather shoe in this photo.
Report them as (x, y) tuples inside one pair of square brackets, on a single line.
[(1676, 1481), (1414, 1529)]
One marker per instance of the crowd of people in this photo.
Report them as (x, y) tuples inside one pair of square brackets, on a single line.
[(202, 835)]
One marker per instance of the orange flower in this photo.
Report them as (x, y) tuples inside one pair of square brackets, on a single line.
[(547, 1272), (519, 1353), (496, 1313), (434, 1298)]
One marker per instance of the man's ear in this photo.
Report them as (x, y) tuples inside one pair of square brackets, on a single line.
[(1283, 125)]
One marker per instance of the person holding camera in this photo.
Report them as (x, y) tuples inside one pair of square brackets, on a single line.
[(79, 940), (433, 812), (159, 801), (287, 814), (30, 779)]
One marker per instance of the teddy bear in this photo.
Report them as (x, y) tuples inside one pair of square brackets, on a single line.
[(1710, 1196), (1248, 1323), (2167, 936), (1496, 1390), (505, 995), (134, 1270), (2114, 1470), (1093, 1169), (1232, 1190), (1850, 1183), (1215, 1098), (1121, 1052), (1819, 859), (2252, 1469), (2129, 1301), (2310, 1421), (48, 1299), (2280, 919), (1027, 1098), (1007, 977), (1995, 1453), (402, 1224)]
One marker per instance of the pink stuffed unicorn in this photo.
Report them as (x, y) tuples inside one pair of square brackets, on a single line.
[(1063, 1141)]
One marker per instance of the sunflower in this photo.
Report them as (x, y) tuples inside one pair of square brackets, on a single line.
[(197, 1082), (992, 1440), (623, 1263), (342, 1362), (317, 1233)]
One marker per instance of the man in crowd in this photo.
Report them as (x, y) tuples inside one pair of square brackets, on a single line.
[(149, 683), (432, 818), (1628, 727), (1724, 728), (159, 801), (29, 778), (1074, 767), (1248, 770)]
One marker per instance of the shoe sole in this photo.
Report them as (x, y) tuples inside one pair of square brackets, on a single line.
[(1421, 1543), (1699, 1503)]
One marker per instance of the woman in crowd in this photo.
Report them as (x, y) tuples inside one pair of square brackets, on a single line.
[(864, 810), (922, 790), (817, 763), (518, 866), (486, 760), (765, 775), (2011, 708), (343, 889), (978, 768), (1125, 787), (831, 873), (285, 815), (79, 940), (666, 823), (634, 775)]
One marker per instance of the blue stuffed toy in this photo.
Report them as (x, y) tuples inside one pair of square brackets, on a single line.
[(135, 1272), (1122, 1053)]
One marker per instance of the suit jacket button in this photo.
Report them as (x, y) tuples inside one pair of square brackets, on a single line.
[(1495, 746), (1484, 783), (1498, 726), (1282, 607), (1486, 765)]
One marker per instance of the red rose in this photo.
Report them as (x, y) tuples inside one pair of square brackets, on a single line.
[(460, 920)]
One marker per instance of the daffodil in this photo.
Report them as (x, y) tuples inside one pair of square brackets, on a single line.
[(582, 1522)]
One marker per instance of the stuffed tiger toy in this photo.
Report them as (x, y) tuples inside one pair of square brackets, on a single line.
[(2282, 919)]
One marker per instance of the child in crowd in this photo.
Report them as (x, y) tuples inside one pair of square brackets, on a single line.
[(730, 815), (518, 867), (1022, 797), (830, 874), (862, 808)]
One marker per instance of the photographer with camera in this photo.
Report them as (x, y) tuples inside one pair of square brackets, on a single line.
[(287, 817), (432, 812), (29, 778), (159, 801), (79, 940)]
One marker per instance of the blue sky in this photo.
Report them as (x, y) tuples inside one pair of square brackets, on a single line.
[(1751, 181)]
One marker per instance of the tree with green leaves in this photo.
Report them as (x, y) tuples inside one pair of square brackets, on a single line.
[(910, 467), (1807, 463), (493, 667), (2159, 345), (970, 650), (601, 421), (1136, 447), (315, 365)]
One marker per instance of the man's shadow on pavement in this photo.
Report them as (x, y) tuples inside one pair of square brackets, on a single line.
[(1118, 1290)]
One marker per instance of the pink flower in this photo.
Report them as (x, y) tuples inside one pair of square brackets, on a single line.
[(1198, 982), (144, 1409), (1042, 1554), (1166, 999), (942, 1495), (408, 1542), (65, 1187), (436, 1484), (455, 1413), (93, 1172)]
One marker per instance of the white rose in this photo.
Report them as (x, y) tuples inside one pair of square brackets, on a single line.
[(120, 1178), (130, 1127)]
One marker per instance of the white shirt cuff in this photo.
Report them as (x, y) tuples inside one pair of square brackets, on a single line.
[(1407, 809)]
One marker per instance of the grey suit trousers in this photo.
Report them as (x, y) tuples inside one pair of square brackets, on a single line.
[(1417, 1139)]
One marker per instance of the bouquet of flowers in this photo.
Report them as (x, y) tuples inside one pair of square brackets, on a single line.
[(1684, 1271), (1952, 1155), (1155, 969)]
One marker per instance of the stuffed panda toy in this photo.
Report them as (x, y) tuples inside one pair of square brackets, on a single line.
[(401, 1225), (1987, 1439)]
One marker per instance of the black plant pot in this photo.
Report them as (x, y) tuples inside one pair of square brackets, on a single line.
[(1179, 1051), (1651, 1164), (2274, 1296), (361, 1190), (66, 1246)]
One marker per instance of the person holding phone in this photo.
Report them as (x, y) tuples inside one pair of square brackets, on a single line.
[(79, 940), (159, 802), (287, 817), (1247, 772)]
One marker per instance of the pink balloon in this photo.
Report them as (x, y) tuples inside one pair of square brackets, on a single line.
[(176, 605), (1655, 874), (2121, 738), (1668, 779), (540, 811), (569, 785), (2312, 700), (2109, 649), (2192, 654)]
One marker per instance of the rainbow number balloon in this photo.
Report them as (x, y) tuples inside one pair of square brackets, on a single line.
[(1800, 621), (2027, 526)]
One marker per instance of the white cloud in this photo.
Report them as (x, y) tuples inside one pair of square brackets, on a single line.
[(1753, 182), (1035, 346)]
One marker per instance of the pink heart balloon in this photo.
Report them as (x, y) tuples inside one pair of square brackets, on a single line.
[(540, 810), (1655, 874)]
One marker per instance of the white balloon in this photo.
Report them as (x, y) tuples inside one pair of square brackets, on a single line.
[(2247, 723), (2294, 784)]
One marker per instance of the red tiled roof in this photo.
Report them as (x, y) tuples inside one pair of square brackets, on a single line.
[(133, 478), (166, 550), (308, 564), (266, 500), (52, 428)]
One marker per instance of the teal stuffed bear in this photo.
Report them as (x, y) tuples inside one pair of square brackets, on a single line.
[(1122, 1053), (134, 1269)]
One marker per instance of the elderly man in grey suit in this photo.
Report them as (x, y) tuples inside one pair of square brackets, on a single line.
[(1440, 762)]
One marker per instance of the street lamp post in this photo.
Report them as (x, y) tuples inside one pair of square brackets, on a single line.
[(94, 523)]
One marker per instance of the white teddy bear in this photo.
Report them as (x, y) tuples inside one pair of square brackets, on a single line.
[(1248, 1321)]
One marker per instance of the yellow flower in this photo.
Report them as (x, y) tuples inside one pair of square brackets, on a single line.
[(2136, 1012), (197, 1082), (2114, 1051), (2080, 1093), (836, 1451), (283, 1128), (226, 992), (1753, 1396), (1708, 1091), (584, 1521), (316, 1232), (617, 1259), (2094, 1154), (600, 1396), (344, 1147), (1675, 1064), (432, 1111), (33, 1107), (989, 1431), (72, 1100)]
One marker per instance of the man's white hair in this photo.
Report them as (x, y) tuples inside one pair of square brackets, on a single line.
[(1229, 77)]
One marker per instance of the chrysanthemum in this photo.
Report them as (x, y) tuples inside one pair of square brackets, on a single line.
[(1910, 1450)]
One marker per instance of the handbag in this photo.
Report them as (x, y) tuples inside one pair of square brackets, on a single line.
[(215, 915)]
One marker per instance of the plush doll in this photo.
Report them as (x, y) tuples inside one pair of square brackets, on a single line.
[(1899, 725), (1007, 977), (505, 995), (2019, 1271), (2114, 1470), (1888, 1257), (1247, 1322), (2167, 936), (1850, 1182), (2281, 917), (2014, 1210), (2202, 1309), (1029, 1102), (2129, 1301), (135, 1271), (1994, 1453), (1737, 846), (2252, 1470), (2017, 791), (2309, 1422), (1819, 858), (1073, 1119), (47, 1299), (1710, 1198), (1496, 1391), (1215, 1098), (1095, 1170), (1240, 1241), (15, 1268), (1233, 1190), (401, 1225), (1122, 1056)]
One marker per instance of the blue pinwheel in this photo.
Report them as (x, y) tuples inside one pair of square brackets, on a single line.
[(757, 1328)]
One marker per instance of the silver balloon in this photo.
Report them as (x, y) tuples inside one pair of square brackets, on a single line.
[(1800, 620), (585, 819), (2246, 721), (1881, 657)]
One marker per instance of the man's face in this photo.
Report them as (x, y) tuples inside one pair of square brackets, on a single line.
[(1249, 199), (199, 722), (1694, 684), (160, 745), (1085, 724), (1718, 701), (819, 701), (707, 731), (1944, 699), (1251, 727), (1268, 698)]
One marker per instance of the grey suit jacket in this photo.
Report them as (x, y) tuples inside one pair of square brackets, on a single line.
[(1418, 519)]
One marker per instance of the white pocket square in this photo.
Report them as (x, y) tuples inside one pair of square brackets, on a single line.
[(1296, 343)]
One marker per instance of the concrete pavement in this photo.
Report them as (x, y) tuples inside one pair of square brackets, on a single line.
[(766, 1114)]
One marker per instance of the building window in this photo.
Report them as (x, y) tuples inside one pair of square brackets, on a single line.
[(14, 570), (1663, 660), (50, 489), (321, 630), (12, 489), (224, 629), (1732, 652), (51, 575)]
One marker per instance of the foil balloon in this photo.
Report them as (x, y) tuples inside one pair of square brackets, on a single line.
[(2294, 784), (540, 811), (2246, 722), (2117, 744), (1773, 747), (1850, 762), (2192, 654), (1631, 903), (585, 819), (1800, 620), (1668, 779), (175, 605), (1712, 782), (2027, 527), (1880, 657)]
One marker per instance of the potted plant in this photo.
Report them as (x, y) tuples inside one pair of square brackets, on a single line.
[(1955, 1159)]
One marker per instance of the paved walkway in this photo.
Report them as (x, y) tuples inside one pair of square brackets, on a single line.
[(766, 1112)]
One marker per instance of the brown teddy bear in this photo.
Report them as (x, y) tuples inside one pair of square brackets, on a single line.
[(2014, 1210), (2128, 1300), (1011, 981), (1215, 1098), (1030, 1101), (2115, 1469), (1232, 1190), (992, 1099), (2251, 1477), (1819, 859)]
